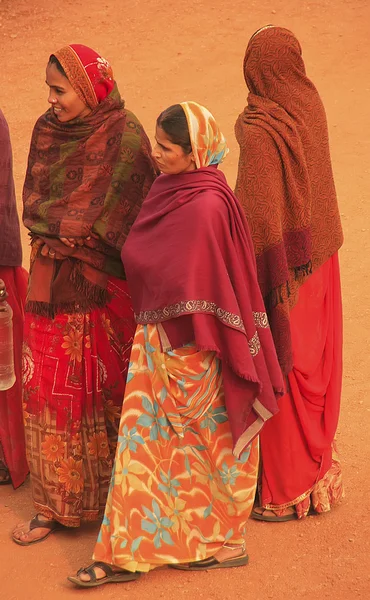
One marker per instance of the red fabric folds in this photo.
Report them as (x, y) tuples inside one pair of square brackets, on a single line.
[(11, 416), (190, 265), (296, 446)]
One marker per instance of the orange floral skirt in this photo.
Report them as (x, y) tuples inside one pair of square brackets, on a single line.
[(74, 372), (177, 492)]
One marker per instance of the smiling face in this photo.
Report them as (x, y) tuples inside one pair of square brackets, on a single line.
[(65, 102), (171, 158)]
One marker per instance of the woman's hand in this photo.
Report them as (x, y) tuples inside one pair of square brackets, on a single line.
[(72, 242), (46, 250), (50, 252), (3, 294)]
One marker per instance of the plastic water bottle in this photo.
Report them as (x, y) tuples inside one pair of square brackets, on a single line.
[(7, 373)]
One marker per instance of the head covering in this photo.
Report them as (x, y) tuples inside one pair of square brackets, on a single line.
[(207, 141), (285, 180), (190, 266), (10, 238), (274, 69), (86, 176), (90, 75)]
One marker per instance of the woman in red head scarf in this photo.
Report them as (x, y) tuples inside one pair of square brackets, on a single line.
[(13, 278), (89, 170), (285, 185)]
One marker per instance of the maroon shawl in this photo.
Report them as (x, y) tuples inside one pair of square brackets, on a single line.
[(285, 180), (190, 266), (10, 238)]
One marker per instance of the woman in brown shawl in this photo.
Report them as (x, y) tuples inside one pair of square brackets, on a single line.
[(89, 169), (285, 184), (13, 285)]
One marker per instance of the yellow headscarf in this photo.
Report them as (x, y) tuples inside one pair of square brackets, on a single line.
[(207, 141)]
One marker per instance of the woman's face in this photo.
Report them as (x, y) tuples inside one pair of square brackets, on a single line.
[(171, 158), (65, 102)]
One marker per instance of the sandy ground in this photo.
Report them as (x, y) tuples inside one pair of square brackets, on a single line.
[(164, 53)]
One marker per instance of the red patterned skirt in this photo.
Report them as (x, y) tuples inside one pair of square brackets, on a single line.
[(74, 370)]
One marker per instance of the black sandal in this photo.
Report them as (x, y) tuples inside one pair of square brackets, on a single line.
[(34, 524), (4, 471), (212, 563), (110, 576)]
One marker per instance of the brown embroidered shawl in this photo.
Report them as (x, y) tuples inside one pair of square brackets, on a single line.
[(285, 181), (86, 176)]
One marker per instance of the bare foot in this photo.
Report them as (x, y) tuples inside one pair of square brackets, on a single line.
[(24, 532), (98, 571), (230, 551)]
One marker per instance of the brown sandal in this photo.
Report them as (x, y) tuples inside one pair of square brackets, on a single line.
[(274, 518), (4, 472), (212, 563), (34, 524), (110, 576)]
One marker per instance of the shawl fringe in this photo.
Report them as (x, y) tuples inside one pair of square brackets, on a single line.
[(282, 292), (95, 294), (45, 309)]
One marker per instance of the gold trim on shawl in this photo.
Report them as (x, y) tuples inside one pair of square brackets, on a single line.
[(201, 306), (190, 307), (254, 344), (261, 320)]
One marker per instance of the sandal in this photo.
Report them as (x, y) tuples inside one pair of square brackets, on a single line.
[(110, 576), (273, 519), (212, 563), (4, 474), (34, 524)]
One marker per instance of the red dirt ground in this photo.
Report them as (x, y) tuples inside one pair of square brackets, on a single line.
[(162, 53)]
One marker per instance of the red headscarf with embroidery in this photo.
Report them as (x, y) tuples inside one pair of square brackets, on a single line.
[(94, 82)]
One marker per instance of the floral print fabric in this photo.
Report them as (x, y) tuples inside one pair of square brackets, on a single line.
[(74, 372), (207, 140), (177, 492)]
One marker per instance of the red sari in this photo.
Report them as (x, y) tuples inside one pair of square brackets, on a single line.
[(11, 420), (296, 445)]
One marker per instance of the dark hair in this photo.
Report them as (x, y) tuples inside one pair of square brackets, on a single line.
[(174, 124), (54, 61)]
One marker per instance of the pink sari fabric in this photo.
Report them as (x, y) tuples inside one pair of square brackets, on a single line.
[(296, 445), (11, 418)]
